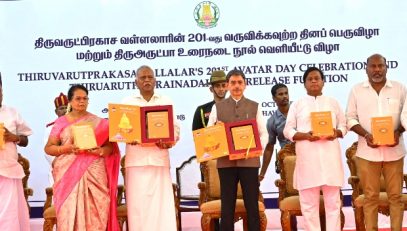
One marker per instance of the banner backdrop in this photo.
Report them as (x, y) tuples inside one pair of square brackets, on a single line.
[(46, 46)]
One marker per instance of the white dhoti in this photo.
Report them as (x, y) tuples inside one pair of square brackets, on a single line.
[(150, 199), (13, 207)]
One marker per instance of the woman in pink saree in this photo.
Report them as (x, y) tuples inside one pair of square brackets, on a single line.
[(85, 180)]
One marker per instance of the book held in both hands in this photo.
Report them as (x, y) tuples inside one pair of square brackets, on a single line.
[(321, 123), (144, 125), (382, 130), (84, 136)]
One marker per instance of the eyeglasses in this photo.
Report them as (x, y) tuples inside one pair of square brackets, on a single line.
[(78, 99)]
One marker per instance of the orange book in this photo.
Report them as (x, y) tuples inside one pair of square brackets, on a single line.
[(382, 130), (84, 136), (124, 123), (321, 123), (210, 142), (2, 142), (157, 125)]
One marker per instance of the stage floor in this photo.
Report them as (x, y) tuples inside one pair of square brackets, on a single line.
[(191, 221)]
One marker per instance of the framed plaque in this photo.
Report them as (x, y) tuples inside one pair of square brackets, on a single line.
[(124, 123), (243, 139), (321, 123), (157, 123), (382, 130), (210, 142), (84, 136)]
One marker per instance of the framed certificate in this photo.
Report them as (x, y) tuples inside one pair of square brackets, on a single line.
[(124, 123), (243, 139), (157, 123), (84, 136), (382, 130), (210, 142), (321, 123)]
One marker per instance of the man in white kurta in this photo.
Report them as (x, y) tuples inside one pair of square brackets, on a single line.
[(319, 163), (377, 97), (13, 207), (149, 194)]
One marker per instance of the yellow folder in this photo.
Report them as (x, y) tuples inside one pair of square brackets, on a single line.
[(210, 142), (124, 123)]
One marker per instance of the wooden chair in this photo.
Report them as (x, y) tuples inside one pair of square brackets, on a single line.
[(26, 167), (357, 193), (288, 199), (210, 203), (187, 194)]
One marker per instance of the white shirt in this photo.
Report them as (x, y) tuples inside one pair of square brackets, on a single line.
[(363, 104), (259, 120), (9, 167), (319, 162), (137, 155)]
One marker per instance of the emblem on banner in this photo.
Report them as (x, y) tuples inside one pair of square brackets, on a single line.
[(206, 14)]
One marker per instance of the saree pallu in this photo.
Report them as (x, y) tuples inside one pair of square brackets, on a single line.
[(85, 184)]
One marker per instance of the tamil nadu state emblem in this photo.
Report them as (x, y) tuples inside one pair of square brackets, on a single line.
[(206, 14)]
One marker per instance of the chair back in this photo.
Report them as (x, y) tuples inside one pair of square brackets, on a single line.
[(188, 176), (286, 159), (211, 179), (351, 160)]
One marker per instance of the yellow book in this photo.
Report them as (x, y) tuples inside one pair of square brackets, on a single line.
[(321, 123), (157, 125), (84, 136), (2, 142), (382, 130), (124, 123), (244, 144), (243, 137), (210, 143)]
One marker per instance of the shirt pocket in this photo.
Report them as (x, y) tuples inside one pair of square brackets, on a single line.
[(393, 105)]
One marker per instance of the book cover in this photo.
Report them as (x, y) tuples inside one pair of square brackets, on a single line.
[(382, 130), (243, 139), (210, 142), (321, 123), (84, 136), (124, 123), (157, 123)]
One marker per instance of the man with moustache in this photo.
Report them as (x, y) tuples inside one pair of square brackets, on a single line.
[(237, 108), (149, 194), (377, 97)]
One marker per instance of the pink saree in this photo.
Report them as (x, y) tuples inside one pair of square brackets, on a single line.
[(85, 188)]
